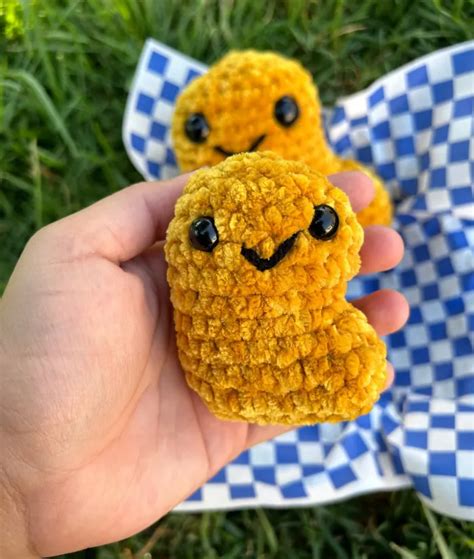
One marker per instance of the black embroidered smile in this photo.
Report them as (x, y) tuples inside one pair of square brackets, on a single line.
[(263, 264), (253, 147)]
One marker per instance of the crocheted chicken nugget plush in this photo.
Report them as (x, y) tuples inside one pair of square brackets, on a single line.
[(259, 253), (252, 101)]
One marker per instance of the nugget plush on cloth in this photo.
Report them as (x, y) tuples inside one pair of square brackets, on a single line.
[(252, 101), (259, 253), (414, 126)]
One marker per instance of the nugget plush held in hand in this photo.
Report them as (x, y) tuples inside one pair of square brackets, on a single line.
[(259, 254), (252, 101)]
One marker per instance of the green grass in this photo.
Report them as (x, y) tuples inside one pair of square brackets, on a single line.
[(377, 526), (65, 69)]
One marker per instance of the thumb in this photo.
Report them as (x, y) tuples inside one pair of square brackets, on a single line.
[(122, 225)]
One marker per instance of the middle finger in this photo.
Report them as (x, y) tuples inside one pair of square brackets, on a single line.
[(382, 249)]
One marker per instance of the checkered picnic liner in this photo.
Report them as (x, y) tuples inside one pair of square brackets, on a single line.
[(415, 127)]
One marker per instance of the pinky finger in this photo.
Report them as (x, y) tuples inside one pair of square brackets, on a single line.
[(390, 376)]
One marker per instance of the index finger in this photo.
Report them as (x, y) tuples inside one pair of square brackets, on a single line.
[(357, 185)]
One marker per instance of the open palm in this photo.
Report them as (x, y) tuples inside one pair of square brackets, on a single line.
[(102, 433)]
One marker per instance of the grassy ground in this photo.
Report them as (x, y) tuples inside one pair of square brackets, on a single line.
[(65, 67)]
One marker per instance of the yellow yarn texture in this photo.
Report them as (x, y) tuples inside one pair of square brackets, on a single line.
[(238, 96), (279, 345)]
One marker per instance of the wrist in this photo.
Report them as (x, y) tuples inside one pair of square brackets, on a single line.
[(14, 542)]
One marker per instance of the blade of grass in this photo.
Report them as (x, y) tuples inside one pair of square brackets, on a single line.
[(205, 529), (328, 536), (267, 530), (404, 553), (37, 185), (17, 182), (44, 101), (443, 548), (159, 531)]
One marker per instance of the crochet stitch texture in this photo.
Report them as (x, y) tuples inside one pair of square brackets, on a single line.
[(238, 96), (280, 345)]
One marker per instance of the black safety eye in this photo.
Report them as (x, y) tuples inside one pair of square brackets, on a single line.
[(286, 111), (325, 223), (203, 234), (197, 128)]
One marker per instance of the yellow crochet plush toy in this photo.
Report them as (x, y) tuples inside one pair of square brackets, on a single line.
[(259, 253), (252, 101)]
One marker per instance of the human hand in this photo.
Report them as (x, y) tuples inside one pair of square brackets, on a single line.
[(100, 435)]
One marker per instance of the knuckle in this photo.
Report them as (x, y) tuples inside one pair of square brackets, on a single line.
[(56, 241)]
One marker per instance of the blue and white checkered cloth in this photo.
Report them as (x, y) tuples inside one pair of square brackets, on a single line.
[(415, 127)]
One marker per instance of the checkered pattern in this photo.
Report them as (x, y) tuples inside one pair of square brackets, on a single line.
[(434, 443), (415, 127), (162, 73)]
